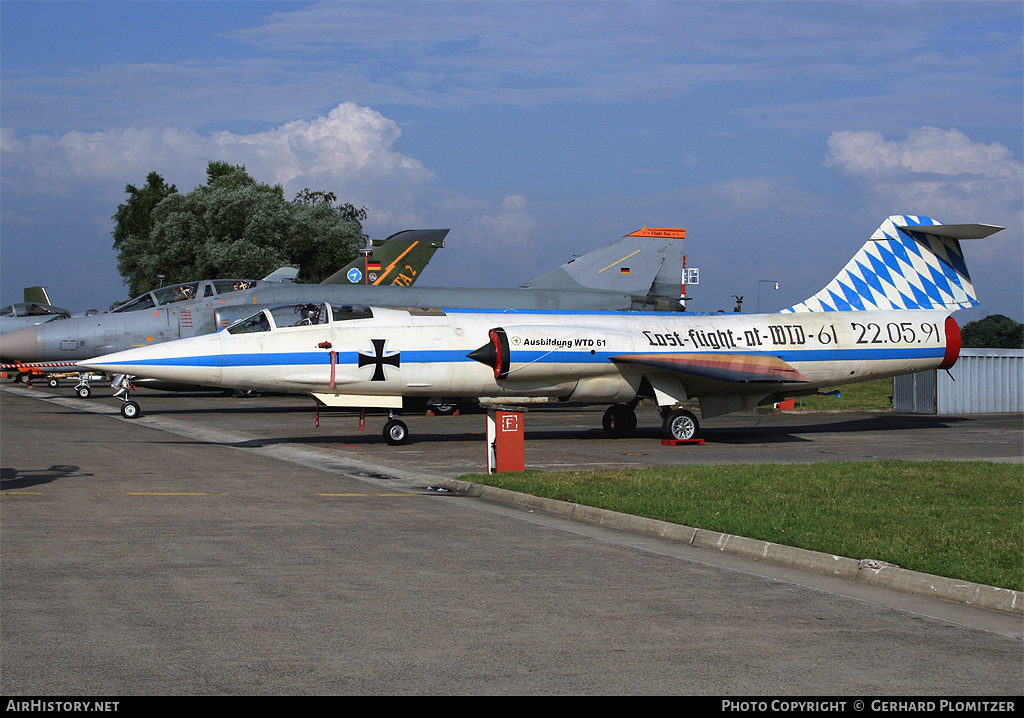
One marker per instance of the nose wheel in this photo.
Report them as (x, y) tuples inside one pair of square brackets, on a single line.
[(129, 409)]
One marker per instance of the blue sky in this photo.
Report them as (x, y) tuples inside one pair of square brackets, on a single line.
[(778, 134)]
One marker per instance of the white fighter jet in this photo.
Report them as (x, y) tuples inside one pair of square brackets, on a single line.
[(886, 313)]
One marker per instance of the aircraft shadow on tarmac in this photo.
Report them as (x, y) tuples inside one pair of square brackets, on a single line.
[(17, 479), (735, 435), (748, 429), (745, 434), (777, 433), (246, 405)]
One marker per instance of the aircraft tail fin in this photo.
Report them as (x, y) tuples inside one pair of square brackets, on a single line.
[(284, 274), (645, 263), (399, 259), (37, 295), (909, 263)]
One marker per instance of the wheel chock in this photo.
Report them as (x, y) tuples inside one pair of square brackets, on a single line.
[(677, 442)]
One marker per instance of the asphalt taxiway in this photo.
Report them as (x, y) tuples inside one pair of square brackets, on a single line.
[(570, 437), (220, 545)]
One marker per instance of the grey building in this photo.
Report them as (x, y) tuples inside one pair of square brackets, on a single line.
[(983, 381)]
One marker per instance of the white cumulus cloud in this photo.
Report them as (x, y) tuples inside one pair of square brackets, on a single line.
[(351, 151), (351, 145), (937, 173), (928, 150)]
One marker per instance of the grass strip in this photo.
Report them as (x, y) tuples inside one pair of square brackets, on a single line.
[(962, 520), (875, 394)]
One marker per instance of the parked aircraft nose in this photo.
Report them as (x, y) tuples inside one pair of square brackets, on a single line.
[(196, 360), (19, 345)]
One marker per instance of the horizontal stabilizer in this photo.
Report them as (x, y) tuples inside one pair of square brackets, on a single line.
[(957, 231), (722, 367)]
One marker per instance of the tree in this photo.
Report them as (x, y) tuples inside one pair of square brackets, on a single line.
[(994, 331), (234, 226), (319, 236), (133, 224)]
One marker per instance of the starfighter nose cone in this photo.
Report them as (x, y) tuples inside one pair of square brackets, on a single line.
[(195, 360), (19, 345)]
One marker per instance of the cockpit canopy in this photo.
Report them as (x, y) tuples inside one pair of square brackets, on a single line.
[(297, 315), (33, 309), (185, 292)]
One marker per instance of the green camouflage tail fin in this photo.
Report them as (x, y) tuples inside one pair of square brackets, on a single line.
[(37, 295), (397, 260)]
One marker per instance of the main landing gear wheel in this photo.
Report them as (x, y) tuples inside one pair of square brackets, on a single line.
[(396, 432), (619, 420), (130, 410), (680, 425)]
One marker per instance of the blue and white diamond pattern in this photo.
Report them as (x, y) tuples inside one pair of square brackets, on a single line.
[(899, 269)]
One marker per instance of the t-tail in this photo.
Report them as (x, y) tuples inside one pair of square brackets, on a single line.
[(647, 264), (909, 263)]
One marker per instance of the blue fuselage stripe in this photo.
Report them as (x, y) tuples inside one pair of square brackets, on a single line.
[(522, 356)]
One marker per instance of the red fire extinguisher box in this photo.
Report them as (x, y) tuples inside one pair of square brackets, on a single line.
[(505, 443)]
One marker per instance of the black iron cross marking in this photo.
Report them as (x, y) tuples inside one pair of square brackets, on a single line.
[(379, 360)]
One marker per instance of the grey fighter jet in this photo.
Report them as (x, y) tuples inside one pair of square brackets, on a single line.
[(36, 309)]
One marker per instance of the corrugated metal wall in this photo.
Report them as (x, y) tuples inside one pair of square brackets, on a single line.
[(983, 381), (914, 393)]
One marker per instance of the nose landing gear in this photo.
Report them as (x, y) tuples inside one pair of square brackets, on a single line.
[(129, 409)]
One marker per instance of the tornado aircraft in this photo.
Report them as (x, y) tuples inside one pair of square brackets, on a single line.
[(35, 310), (887, 312)]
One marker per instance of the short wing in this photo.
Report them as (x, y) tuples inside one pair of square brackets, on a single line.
[(743, 368)]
